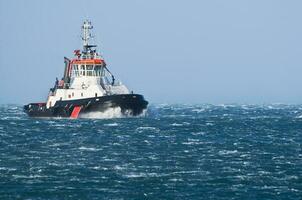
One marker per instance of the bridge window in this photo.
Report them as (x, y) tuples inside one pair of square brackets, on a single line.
[(98, 70), (89, 69), (75, 70), (82, 71)]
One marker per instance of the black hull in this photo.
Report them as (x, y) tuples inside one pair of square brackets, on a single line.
[(130, 104)]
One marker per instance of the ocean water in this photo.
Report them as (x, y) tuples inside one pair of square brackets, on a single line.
[(173, 152)]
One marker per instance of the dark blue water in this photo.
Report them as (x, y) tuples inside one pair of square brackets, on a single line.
[(175, 152)]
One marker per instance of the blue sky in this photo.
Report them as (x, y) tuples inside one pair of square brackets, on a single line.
[(171, 51)]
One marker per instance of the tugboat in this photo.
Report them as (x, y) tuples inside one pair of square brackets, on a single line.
[(87, 86)]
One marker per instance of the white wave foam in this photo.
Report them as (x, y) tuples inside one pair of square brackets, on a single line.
[(198, 110), (111, 124), (299, 117), (88, 149), (227, 152), (117, 167), (176, 124), (147, 128), (7, 169), (28, 177), (141, 175), (175, 179), (12, 118), (198, 133), (109, 113)]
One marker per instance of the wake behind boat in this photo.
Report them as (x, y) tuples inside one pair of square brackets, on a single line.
[(87, 86)]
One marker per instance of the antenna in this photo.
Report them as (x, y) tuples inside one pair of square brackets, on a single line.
[(86, 35), (88, 49)]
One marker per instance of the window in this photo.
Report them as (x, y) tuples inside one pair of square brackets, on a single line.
[(96, 94), (97, 70), (81, 94), (89, 69), (82, 70), (72, 94), (75, 70)]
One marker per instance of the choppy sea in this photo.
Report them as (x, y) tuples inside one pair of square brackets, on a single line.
[(173, 152)]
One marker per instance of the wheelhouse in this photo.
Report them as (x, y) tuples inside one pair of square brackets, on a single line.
[(78, 70)]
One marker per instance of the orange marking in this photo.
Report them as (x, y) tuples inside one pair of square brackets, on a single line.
[(75, 112), (87, 61)]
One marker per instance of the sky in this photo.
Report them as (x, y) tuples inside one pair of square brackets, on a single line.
[(172, 51)]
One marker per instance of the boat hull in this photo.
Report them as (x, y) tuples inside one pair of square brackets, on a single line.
[(130, 104)]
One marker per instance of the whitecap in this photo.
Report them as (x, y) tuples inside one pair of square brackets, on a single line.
[(117, 167), (192, 143), (299, 117), (141, 175), (111, 124), (291, 177), (199, 133), (209, 124), (88, 149), (29, 177), (198, 110), (58, 144), (261, 172), (186, 172), (227, 152), (7, 169), (58, 125), (54, 164), (11, 118), (106, 114), (135, 175), (176, 124), (109, 113), (175, 179), (147, 128), (96, 167), (241, 177)]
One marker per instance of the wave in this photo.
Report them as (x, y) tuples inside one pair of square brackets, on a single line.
[(82, 148), (109, 113)]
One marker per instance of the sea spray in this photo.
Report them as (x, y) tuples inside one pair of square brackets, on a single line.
[(109, 113)]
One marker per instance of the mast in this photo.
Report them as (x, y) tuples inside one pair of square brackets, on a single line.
[(89, 49), (86, 32), (86, 35)]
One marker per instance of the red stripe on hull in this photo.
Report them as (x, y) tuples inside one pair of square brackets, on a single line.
[(75, 112)]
